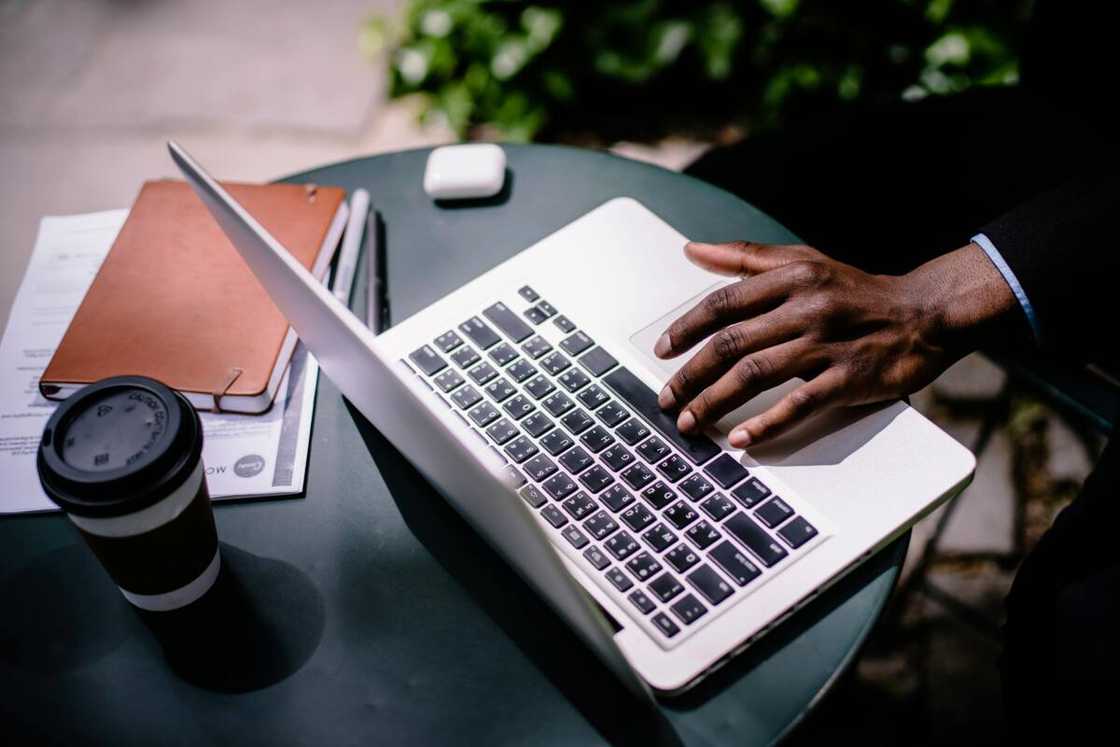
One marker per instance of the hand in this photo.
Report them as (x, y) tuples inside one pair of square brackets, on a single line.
[(854, 337)]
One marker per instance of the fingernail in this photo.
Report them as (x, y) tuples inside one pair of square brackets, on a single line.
[(686, 422), (663, 347), (666, 399), (740, 438)]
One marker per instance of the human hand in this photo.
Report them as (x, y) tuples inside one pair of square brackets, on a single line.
[(854, 337)]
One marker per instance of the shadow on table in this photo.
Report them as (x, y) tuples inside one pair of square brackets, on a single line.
[(538, 631)]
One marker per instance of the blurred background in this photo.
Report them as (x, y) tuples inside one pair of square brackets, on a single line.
[(91, 90)]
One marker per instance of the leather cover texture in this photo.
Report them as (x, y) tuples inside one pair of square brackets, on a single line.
[(174, 300)]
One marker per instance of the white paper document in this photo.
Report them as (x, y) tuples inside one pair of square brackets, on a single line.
[(244, 455)]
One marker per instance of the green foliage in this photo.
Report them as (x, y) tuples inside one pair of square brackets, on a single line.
[(529, 70)]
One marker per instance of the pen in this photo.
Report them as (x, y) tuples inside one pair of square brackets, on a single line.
[(376, 312), (351, 245)]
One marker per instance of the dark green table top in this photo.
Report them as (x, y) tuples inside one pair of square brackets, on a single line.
[(367, 611)]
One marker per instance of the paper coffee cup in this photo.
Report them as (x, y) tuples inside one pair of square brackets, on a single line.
[(123, 459)]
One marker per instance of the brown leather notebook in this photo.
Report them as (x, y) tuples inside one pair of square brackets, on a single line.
[(174, 300)]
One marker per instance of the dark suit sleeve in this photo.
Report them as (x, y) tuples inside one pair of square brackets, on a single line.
[(1062, 248)]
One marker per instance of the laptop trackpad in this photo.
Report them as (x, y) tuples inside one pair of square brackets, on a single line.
[(645, 338)]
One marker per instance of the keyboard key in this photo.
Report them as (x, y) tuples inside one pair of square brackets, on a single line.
[(637, 517), (682, 557), (597, 439), (540, 387), (481, 335), (680, 514), (505, 320), (653, 450), (483, 414), (576, 343), (643, 565), (547, 308), (596, 557), (576, 460), (674, 468), (557, 404), (698, 449), (703, 534), (632, 431), (659, 495), (616, 498), (520, 449), (773, 512), (554, 516), (448, 341), (536, 424), (482, 373), (579, 505), (532, 496), (515, 474), (592, 397), (518, 407), (520, 370), (717, 506), (465, 357), (466, 397), (734, 563), (710, 584), (528, 293), (499, 389), (573, 380), (689, 609), (755, 539), (617, 457), (695, 487), (555, 441), (502, 431), (665, 587), (726, 471), (502, 354), (637, 476), (619, 579), (665, 624), (596, 478), (535, 315), (564, 324), (612, 414), (644, 604), (559, 486), (448, 380), (539, 467), (536, 347), (621, 545), (600, 525), (751, 493), (659, 537), (574, 536), (554, 363), (427, 360), (797, 532), (597, 361)]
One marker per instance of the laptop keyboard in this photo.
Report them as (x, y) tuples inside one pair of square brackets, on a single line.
[(672, 527)]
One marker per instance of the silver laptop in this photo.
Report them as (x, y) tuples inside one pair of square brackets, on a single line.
[(528, 397)]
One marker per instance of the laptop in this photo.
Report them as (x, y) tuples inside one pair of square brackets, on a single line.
[(528, 398)]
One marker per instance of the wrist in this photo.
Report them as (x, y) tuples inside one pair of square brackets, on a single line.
[(964, 300)]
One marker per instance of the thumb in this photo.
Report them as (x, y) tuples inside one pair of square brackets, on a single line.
[(742, 257)]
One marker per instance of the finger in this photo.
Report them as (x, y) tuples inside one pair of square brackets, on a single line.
[(749, 376), (724, 305), (724, 350), (822, 392), (743, 257)]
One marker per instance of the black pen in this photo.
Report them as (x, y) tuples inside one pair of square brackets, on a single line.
[(376, 307)]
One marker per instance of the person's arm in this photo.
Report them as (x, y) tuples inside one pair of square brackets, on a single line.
[(854, 337)]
